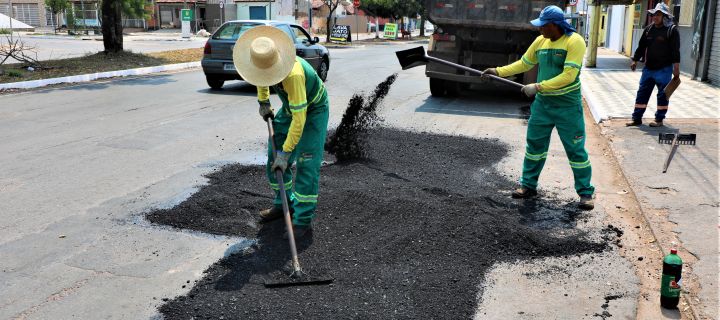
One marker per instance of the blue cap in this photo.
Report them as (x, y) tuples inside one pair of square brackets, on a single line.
[(549, 14)]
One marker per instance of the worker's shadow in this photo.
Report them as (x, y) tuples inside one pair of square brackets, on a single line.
[(269, 255)]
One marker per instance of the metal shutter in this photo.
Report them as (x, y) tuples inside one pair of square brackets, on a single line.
[(23, 12), (714, 68)]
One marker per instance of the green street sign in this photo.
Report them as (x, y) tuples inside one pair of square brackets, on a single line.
[(186, 15)]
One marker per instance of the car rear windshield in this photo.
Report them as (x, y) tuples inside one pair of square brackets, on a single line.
[(233, 30)]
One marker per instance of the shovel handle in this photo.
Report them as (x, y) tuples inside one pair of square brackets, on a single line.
[(474, 71), (285, 205)]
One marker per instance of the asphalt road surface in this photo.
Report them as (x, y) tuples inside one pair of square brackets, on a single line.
[(80, 164)]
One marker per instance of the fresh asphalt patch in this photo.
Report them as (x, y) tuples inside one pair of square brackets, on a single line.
[(408, 232)]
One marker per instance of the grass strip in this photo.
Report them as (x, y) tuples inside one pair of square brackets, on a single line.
[(98, 62)]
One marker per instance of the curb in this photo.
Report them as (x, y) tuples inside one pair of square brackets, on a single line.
[(593, 104), (100, 75)]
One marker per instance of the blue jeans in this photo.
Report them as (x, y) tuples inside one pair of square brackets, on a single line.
[(653, 78)]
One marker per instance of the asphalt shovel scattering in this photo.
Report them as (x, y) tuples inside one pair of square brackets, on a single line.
[(298, 277), (414, 57)]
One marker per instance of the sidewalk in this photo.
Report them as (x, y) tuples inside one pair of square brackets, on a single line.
[(610, 91), (681, 205)]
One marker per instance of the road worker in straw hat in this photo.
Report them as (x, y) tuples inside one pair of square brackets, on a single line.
[(265, 56)]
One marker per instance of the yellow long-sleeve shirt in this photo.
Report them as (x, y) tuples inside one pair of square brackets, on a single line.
[(294, 86)]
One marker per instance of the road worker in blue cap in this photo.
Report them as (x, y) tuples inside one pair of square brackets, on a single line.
[(558, 52)]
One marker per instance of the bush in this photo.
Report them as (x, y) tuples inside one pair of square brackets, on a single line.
[(5, 31), (14, 73)]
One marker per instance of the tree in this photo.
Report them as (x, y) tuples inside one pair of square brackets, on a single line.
[(112, 29), (57, 6), (394, 9), (377, 9), (331, 5)]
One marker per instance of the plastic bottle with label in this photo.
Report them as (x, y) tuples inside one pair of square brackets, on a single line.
[(670, 283)]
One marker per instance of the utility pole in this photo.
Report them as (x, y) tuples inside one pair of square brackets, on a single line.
[(594, 34), (296, 10)]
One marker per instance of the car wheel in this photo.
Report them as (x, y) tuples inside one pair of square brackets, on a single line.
[(437, 87), (323, 70), (214, 83)]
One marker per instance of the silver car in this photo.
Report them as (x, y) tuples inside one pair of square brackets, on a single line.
[(217, 62)]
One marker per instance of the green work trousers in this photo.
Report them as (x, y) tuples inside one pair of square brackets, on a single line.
[(571, 128), (302, 192)]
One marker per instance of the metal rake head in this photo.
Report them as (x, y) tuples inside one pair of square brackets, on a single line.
[(682, 138)]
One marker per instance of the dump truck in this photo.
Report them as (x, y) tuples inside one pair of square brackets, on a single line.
[(479, 34)]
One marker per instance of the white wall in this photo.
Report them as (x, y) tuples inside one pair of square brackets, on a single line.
[(616, 28)]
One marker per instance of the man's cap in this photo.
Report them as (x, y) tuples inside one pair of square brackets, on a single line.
[(549, 14)]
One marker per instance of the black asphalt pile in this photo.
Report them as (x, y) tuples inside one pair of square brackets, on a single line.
[(349, 141), (407, 233)]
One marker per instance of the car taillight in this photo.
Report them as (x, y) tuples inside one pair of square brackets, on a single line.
[(207, 49)]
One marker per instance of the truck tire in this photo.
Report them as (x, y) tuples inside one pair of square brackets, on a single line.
[(437, 87), (452, 88)]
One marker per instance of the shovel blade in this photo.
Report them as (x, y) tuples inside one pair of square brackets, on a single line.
[(297, 279), (411, 58)]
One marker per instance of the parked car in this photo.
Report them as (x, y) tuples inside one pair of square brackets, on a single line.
[(217, 61)]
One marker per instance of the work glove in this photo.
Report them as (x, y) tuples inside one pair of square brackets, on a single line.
[(530, 89), (489, 71), (266, 111), (633, 65), (281, 161)]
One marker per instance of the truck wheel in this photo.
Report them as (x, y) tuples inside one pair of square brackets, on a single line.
[(437, 87), (214, 82)]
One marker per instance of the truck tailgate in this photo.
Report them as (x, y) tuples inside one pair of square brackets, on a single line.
[(510, 14)]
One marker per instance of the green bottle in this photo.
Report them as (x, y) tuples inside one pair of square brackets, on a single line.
[(670, 283)]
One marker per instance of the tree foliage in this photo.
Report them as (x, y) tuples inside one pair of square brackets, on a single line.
[(392, 8), (57, 6)]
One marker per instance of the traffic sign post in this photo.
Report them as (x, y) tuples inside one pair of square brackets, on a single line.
[(356, 4)]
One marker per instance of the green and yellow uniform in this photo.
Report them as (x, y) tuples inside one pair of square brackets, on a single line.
[(300, 128), (558, 104)]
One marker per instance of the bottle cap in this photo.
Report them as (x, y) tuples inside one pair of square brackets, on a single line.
[(673, 251)]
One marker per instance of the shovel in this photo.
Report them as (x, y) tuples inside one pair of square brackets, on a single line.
[(298, 277), (414, 57)]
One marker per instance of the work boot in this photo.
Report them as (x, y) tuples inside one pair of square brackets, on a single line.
[(633, 123), (586, 202), (274, 213), (299, 231), (656, 124), (523, 193)]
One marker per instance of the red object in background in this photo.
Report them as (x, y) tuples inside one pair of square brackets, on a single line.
[(356, 3)]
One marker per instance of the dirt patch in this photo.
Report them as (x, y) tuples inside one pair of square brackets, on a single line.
[(98, 62), (408, 233)]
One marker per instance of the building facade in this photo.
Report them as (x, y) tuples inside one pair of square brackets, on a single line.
[(697, 21)]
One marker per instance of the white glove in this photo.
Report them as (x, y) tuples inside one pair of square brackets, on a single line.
[(530, 89)]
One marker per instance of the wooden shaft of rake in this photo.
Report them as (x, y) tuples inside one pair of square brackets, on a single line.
[(285, 205), (474, 71)]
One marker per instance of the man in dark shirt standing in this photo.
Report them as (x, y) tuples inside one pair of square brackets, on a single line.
[(659, 49)]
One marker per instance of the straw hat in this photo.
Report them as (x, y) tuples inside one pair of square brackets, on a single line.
[(264, 55)]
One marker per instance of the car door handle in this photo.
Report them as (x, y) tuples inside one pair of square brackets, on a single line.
[(300, 53)]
